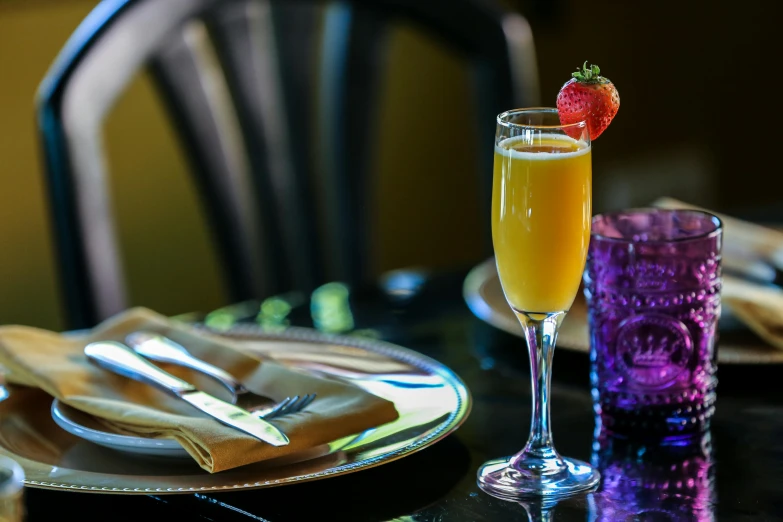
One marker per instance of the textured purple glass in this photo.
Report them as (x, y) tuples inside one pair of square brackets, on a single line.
[(652, 284), (654, 482)]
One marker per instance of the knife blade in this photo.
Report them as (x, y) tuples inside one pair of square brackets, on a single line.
[(120, 359)]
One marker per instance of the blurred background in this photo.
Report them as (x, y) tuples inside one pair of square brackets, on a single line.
[(697, 122)]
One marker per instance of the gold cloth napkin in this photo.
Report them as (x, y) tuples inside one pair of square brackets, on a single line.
[(759, 307), (56, 364)]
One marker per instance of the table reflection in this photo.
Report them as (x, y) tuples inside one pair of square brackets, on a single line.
[(653, 482)]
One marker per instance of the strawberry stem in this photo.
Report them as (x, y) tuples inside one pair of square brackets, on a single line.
[(587, 74)]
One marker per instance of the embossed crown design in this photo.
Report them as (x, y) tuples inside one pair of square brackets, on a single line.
[(648, 273), (652, 351)]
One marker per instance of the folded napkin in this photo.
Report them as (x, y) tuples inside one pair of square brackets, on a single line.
[(56, 364), (759, 307)]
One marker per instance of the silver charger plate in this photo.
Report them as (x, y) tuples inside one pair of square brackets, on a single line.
[(483, 294), (431, 399)]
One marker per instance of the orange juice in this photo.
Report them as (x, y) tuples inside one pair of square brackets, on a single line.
[(541, 211)]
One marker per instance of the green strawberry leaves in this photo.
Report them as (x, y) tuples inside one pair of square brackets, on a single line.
[(588, 74)]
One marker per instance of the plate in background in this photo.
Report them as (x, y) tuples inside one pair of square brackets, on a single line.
[(484, 296)]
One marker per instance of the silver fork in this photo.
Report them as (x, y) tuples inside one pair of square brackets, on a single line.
[(162, 349), (285, 407)]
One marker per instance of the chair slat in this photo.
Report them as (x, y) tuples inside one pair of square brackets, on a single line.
[(245, 39), (363, 85), (353, 45), (195, 90), (297, 35), (330, 181)]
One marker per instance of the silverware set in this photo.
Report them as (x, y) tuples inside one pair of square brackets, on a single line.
[(161, 349), (247, 411)]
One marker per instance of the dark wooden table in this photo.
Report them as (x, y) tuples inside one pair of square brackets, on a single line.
[(734, 474)]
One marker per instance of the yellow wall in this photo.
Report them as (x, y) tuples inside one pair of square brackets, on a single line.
[(30, 36), (427, 190), (426, 209)]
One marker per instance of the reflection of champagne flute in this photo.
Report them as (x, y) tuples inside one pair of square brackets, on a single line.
[(655, 482), (541, 210), (540, 510)]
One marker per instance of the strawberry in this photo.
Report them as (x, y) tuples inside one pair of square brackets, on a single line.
[(588, 97)]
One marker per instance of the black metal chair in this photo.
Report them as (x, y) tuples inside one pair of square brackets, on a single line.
[(238, 128)]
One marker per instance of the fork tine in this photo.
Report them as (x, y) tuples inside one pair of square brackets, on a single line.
[(289, 405), (278, 409), (296, 406), (307, 399), (310, 397), (286, 407)]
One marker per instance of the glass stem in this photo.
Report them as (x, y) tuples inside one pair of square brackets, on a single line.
[(539, 454)]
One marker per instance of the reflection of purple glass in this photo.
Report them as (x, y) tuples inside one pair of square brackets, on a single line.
[(652, 284), (653, 482)]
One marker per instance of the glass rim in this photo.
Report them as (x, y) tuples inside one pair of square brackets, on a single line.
[(502, 119), (649, 210)]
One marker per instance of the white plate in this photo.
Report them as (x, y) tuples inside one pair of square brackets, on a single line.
[(84, 426)]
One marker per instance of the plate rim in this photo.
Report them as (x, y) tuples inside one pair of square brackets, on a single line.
[(454, 420)]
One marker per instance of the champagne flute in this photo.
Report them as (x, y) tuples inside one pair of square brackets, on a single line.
[(541, 214)]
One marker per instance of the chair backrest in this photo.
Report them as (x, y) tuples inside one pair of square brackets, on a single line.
[(219, 67)]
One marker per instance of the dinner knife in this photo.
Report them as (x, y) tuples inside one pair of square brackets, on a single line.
[(120, 359)]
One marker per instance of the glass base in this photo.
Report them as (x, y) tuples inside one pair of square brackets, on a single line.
[(500, 480)]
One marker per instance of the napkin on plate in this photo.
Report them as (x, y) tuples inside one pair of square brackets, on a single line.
[(56, 364), (760, 307)]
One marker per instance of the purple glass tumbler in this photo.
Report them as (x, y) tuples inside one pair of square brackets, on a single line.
[(652, 284)]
